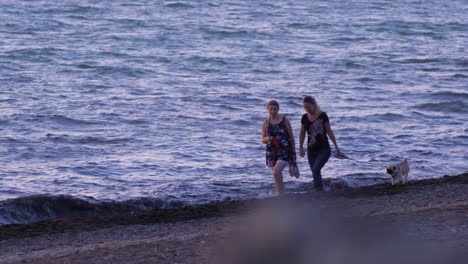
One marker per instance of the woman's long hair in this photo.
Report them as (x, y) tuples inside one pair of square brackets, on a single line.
[(311, 100)]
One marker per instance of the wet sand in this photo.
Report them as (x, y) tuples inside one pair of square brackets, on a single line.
[(432, 212)]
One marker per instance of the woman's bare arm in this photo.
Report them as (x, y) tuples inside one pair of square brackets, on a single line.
[(331, 135), (301, 141), (302, 136), (265, 137), (292, 141)]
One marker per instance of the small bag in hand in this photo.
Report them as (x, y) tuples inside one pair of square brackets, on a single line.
[(293, 170)]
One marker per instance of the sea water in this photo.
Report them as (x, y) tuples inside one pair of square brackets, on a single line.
[(160, 103)]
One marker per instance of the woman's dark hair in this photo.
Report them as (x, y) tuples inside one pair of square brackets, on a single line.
[(273, 103), (309, 99)]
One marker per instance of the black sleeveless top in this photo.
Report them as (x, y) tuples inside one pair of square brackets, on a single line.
[(317, 135)]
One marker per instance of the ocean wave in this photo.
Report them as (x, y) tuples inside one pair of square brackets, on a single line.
[(178, 5), (208, 60), (241, 122), (233, 33), (111, 70), (417, 61), (386, 116), (45, 207), (4, 122), (451, 106), (79, 17), (71, 121), (459, 75), (55, 118), (462, 62), (197, 118), (410, 28), (340, 40), (302, 60), (402, 136), (127, 22), (355, 180), (39, 54), (67, 9), (364, 80), (301, 25), (297, 25), (431, 69), (450, 94), (353, 65), (86, 140), (10, 140)]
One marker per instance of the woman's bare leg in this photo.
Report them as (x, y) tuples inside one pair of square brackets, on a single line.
[(278, 177)]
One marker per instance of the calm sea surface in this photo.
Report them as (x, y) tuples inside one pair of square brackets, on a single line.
[(160, 102)]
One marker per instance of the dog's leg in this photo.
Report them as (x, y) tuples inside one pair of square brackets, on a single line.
[(393, 183)]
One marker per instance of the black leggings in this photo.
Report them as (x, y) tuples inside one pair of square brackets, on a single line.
[(317, 160)]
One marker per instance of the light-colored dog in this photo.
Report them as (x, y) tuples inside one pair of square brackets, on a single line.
[(399, 171)]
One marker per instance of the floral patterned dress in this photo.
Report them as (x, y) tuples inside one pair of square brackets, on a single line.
[(280, 147)]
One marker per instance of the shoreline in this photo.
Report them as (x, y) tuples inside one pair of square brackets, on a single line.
[(434, 210), (39, 208), (197, 211)]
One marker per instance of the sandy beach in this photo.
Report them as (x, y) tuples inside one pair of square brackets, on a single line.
[(417, 216)]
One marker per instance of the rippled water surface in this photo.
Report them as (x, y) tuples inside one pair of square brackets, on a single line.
[(120, 100)]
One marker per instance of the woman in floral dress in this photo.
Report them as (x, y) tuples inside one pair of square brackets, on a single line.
[(280, 151)]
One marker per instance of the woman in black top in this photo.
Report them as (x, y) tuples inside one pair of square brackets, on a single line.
[(317, 125)]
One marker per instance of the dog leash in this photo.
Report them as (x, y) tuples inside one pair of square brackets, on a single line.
[(343, 156)]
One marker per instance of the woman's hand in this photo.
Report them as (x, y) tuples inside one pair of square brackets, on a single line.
[(338, 151), (302, 152), (294, 157), (267, 140)]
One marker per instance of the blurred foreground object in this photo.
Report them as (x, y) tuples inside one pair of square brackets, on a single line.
[(300, 233)]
